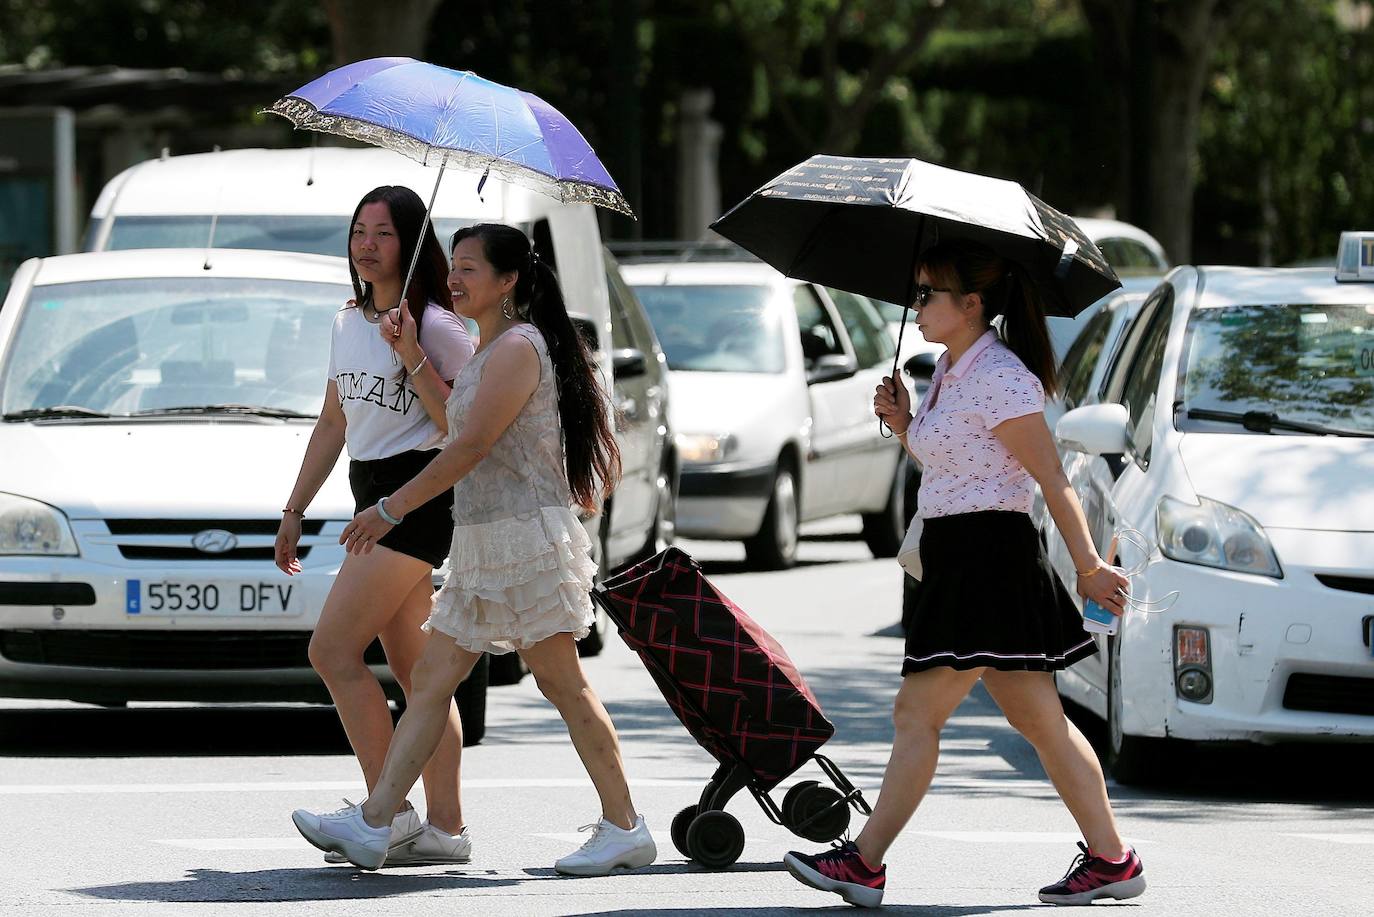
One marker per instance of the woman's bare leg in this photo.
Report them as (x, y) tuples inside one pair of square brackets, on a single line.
[(441, 667), (404, 643), (1031, 704), (366, 595), (924, 701), (558, 672)]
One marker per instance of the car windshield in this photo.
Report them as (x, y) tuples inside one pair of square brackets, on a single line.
[(716, 328), (1295, 364), (311, 234), (122, 347)]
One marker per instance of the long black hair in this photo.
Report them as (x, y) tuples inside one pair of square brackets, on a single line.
[(430, 283), (590, 451), (1008, 291)]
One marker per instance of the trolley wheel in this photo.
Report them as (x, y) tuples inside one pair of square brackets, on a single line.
[(789, 801), (681, 822), (715, 839), (820, 799)]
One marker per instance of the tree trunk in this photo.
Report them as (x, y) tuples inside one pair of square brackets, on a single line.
[(1157, 55), (366, 28)]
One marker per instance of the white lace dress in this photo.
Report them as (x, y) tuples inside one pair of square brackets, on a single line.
[(520, 567)]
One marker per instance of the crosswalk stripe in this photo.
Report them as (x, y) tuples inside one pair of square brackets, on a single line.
[(1337, 838)]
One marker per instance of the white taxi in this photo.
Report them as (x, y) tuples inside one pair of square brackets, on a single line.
[(154, 408), (1232, 458)]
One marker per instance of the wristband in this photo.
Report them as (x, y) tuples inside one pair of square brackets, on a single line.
[(387, 517), (418, 366), (290, 509), (1089, 572)]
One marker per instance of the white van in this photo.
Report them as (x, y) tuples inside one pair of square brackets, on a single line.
[(300, 200)]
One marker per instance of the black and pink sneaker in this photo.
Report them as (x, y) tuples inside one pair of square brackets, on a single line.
[(1091, 877), (841, 870)]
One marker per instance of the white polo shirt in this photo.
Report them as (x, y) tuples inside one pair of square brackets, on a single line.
[(385, 416), (965, 467)]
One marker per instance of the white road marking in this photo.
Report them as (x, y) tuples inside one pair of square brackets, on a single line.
[(238, 843), (1364, 838), (1015, 837)]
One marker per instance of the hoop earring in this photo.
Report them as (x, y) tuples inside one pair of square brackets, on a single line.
[(508, 309)]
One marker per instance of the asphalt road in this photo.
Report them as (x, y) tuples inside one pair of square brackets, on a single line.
[(184, 809)]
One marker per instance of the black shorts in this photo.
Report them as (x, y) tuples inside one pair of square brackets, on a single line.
[(427, 531), (989, 598)]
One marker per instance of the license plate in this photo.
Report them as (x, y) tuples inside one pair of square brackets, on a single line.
[(217, 598)]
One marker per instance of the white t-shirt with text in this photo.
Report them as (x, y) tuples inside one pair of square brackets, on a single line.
[(385, 415)]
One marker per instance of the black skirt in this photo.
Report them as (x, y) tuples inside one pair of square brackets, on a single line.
[(426, 532), (989, 598)]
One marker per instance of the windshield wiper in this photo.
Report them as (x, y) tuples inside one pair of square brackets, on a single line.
[(61, 410), (1268, 422), (247, 410)]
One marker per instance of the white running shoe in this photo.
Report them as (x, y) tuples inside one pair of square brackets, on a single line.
[(431, 847), (345, 832), (405, 827), (610, 847)]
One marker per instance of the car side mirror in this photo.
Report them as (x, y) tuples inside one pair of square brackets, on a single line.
[(921, 365), (628, 362), (831, 367), (1095, 429)]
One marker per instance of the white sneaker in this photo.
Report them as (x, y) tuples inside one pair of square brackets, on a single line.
[(405, 827), (345, 832), (610, 847), (431, 847)]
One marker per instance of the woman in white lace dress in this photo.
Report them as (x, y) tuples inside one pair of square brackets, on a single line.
[(529, 436)]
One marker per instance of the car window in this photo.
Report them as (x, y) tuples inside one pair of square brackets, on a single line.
[(310, 234), (867, 333), (629, 314), (715, 327), (819, 336), (1141, 384), (1077, 369), (1302, 363), (120, 346)]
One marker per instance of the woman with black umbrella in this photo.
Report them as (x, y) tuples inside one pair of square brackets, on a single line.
[(990, 606)]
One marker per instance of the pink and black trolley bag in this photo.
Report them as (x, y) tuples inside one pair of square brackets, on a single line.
[(739, 696)]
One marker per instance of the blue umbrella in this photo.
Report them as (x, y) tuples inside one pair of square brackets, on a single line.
[(450, 117)]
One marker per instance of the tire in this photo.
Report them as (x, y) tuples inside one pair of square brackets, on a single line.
[(775, 545), (828, 826), (715, 839), (790, 799), (506, 669), (1130, 759), (472, 702), (884, 530), (681, 822)]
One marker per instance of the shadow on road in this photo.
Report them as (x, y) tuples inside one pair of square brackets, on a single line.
[(207, 886), (934, 910)]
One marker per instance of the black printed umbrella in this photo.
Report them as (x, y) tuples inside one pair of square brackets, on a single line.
[(860, 224)]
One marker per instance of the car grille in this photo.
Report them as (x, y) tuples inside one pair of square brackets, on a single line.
[(200, 651), (1347, 583), (190, 527), (1330, 694)]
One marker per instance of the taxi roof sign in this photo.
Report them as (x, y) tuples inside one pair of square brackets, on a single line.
[(1355, 257)]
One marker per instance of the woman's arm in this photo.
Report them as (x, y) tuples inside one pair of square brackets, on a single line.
[(432, 389), (321, 454), (1028, 439), (508, 380)]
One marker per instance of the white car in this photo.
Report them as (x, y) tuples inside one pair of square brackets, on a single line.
[(773, 383), (1235, 435), (156, 405)]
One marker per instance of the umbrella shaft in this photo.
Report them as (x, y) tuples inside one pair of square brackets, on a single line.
[(419, 242)]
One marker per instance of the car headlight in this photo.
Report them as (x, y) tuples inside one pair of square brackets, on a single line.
[(704, 448), (30, 527), (1215, 535)]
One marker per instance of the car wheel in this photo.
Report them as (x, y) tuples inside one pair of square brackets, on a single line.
[(472, 702), (1130, 759), (884, 530), (595, 641), (665, 516), (775, 545)]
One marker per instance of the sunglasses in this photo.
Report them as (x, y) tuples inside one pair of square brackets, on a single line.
[(923, 292)]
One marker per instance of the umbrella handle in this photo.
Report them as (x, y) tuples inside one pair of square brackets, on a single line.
[(883, 429)]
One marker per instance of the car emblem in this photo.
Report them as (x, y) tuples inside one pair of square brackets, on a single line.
[(214, 541)]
